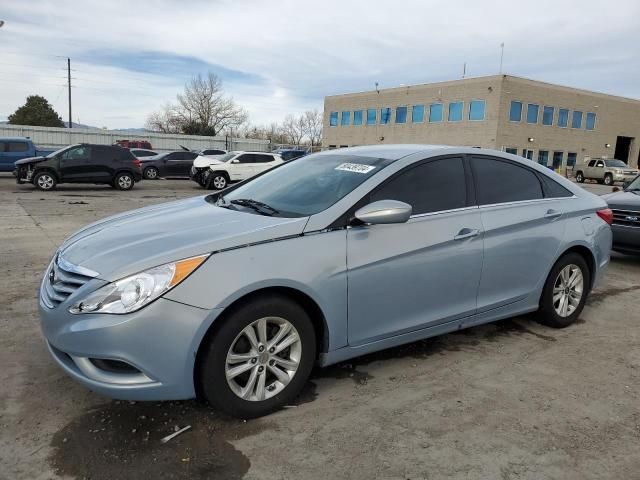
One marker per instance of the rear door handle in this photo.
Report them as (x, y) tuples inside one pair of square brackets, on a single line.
[(552, 214), (467, 233)]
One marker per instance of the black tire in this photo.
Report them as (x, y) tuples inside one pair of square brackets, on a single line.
[(123, 181), (151, 173), (579, 177), (608, 179), (547, 314), (212, 379), (45, 181), (217, 181)]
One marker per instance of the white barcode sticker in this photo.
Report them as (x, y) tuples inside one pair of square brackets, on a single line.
[(355, 167)]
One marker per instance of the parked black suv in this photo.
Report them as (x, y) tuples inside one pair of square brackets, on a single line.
[(83, 163)]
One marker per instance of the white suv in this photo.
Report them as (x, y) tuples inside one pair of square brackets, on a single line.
[(217, 172)]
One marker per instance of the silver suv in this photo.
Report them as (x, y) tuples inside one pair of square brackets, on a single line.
[(606, 171)]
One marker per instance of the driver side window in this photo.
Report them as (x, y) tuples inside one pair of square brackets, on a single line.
[(77, 153), (433, 186), (246, 158)]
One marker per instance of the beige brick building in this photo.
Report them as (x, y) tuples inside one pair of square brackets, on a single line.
[(554, 125)]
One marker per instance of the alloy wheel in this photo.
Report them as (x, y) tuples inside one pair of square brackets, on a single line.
[(45, 182), (568, 290), (124, 182), (263, 359), (151, 173), (219, 182)]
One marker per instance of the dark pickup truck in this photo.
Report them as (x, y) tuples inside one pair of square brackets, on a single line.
[(13, 149)]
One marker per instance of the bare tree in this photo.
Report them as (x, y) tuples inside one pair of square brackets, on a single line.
[(293, 128), (202, 109), (313, 126)]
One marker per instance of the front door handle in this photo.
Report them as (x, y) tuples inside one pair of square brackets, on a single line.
[(552, 214), (467, 233)]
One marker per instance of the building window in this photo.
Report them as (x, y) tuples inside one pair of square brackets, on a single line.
[(563, 117), (436, 113), (515, 112), (476, 109), (333, 119), (371, 116), (417, 114), (591, 121), (557, 159), (547, 116), (455, 111), (512, 151), (532, 113), (576, 119), (345, 118), (401, 114), (385, 115), (543, 157), (571, 159), (357, 117)]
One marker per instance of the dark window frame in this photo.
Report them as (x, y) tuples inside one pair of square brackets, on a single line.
[(512, 163)]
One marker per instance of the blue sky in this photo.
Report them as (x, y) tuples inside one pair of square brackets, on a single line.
[(284, 56)]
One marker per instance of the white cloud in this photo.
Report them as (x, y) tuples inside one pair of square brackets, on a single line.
[(300, 51)]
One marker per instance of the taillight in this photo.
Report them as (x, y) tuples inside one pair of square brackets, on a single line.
[(606, 214), (137, 163)]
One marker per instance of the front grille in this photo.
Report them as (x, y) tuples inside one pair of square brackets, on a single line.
[(59, 284), (626, 218)]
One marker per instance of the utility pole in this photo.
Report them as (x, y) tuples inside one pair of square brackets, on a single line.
[(501, 55), (69, 85)]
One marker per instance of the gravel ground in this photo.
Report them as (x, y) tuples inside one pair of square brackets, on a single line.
[(511, 400)]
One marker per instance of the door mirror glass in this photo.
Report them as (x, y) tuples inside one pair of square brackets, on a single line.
[(384, 212)]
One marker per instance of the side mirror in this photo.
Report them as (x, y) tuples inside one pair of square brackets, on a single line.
[(235, 161), (384, 212)]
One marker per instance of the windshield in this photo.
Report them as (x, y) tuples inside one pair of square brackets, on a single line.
[(227, 156), (53, 154), (309, 185), (615, 163)]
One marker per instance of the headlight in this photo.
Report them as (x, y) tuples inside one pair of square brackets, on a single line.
[(132, 293)]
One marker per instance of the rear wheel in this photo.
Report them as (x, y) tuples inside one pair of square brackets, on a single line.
[(565, 291), (151, 173), (608, 179), (123, 181), (259, 359), (579, 177), (45, 181)]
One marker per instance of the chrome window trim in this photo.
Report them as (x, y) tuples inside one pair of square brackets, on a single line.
[(442, 212), (524, 202), (70, 267)]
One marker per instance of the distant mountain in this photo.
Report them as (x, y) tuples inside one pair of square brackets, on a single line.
[(91, 127)]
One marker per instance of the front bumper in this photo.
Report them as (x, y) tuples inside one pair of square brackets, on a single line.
[(622, 177), (157, 344), (200, 175)]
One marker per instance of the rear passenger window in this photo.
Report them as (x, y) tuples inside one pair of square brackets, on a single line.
[(434, 186), (498, 181), (262, 158), (553, 189)]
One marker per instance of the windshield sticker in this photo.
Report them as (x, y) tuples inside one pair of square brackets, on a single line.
[(355, 167)]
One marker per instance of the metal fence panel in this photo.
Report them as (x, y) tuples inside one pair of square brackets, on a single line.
[(53, 137)]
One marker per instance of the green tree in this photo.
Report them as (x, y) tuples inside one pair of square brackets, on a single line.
[(36, 111)]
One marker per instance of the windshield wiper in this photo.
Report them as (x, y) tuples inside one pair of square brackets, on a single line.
[(259, 207)]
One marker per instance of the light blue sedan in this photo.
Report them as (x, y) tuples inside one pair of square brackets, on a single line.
[(235, 296)]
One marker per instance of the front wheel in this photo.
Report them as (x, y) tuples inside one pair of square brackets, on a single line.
[(123, 181), (218, 181), (259, 359), (579, 177), (45, 181), (151, 173), (565, 291), (608, 179)]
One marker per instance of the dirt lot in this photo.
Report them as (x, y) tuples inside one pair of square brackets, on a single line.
[(513, 400)]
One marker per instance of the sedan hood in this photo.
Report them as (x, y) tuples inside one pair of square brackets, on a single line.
[(623, 200), (134, 241), (30, 160), (201, 161)]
